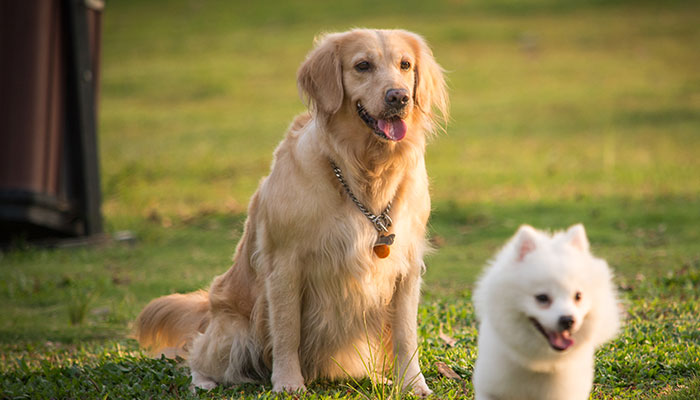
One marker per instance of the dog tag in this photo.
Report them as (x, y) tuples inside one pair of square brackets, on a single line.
[(381, 246)]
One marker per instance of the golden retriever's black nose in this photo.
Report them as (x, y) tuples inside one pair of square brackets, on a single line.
[(566, 322), (396, 98)]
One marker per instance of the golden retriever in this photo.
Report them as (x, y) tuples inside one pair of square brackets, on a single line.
[(307, 297)]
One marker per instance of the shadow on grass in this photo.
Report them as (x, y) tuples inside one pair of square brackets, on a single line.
[(113, 376)]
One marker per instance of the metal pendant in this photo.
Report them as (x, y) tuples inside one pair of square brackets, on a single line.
[(381, 246)]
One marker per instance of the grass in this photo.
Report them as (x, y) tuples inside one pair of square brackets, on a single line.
[(386, 379), (562, 112)]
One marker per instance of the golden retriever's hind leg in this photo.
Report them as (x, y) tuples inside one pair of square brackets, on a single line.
[(226, 353), (202, 382)]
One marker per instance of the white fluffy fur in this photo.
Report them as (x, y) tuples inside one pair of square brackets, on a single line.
[(515, 359), (305, 284)]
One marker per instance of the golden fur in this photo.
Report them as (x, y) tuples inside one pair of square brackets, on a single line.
[(305, 285)]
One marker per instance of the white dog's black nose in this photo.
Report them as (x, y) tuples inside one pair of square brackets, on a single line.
[(396, 98), (566, 322)]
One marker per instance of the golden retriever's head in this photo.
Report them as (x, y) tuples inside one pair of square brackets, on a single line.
[(385, 82)]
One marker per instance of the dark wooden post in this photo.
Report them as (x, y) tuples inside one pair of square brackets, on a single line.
[(49, 163)]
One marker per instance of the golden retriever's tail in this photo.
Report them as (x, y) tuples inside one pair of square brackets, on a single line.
[(168, 324)]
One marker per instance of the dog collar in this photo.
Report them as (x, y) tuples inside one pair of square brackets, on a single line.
[(381, 222)]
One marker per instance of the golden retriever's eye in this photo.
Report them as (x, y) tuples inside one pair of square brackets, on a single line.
[(405, 65), (363, 66), (577, 297)]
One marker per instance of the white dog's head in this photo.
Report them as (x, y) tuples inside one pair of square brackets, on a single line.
[(546, 295), (557, 300)]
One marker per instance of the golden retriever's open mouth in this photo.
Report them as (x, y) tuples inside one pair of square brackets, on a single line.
[(392, 128)]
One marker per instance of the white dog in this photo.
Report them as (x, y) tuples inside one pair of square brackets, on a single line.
[(544, 304)]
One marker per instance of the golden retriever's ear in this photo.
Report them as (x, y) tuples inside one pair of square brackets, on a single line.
[(430, 89), (320, 77)]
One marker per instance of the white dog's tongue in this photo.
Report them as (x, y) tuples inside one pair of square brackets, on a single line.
[(560, 340), (394, 129)]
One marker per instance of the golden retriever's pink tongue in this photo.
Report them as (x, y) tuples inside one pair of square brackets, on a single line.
[(394, 129)]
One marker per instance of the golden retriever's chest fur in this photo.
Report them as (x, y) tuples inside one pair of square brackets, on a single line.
[(346, 300), (350, 272)]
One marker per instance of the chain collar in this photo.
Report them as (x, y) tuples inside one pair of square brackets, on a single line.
[(381, 222)]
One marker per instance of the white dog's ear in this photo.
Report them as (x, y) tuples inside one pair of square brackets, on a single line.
[(525, 241), (576, 236), (320, 77)]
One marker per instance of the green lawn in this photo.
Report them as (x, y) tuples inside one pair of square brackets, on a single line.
[(562, 112)]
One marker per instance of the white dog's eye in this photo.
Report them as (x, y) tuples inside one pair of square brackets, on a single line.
[(363, 66), (543, 299), (405, 65), (577, 296)]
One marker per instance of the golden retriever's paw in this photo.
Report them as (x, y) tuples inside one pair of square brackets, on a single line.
[(288, 387), (288, 383), (202, 382), (422, 390)]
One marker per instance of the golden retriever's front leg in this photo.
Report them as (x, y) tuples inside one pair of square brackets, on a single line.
[(283, 289), (405, 334)]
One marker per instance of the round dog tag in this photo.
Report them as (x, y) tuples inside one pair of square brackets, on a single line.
[(382, 250)]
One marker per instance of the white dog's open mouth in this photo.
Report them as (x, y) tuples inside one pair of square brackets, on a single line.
[(392, 128), (558, 340)]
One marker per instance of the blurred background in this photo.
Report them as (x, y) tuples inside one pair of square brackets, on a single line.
[(550, 100), (589, 107)]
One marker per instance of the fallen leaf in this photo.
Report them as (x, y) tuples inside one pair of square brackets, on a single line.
[(446, 371), (450, 341)]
